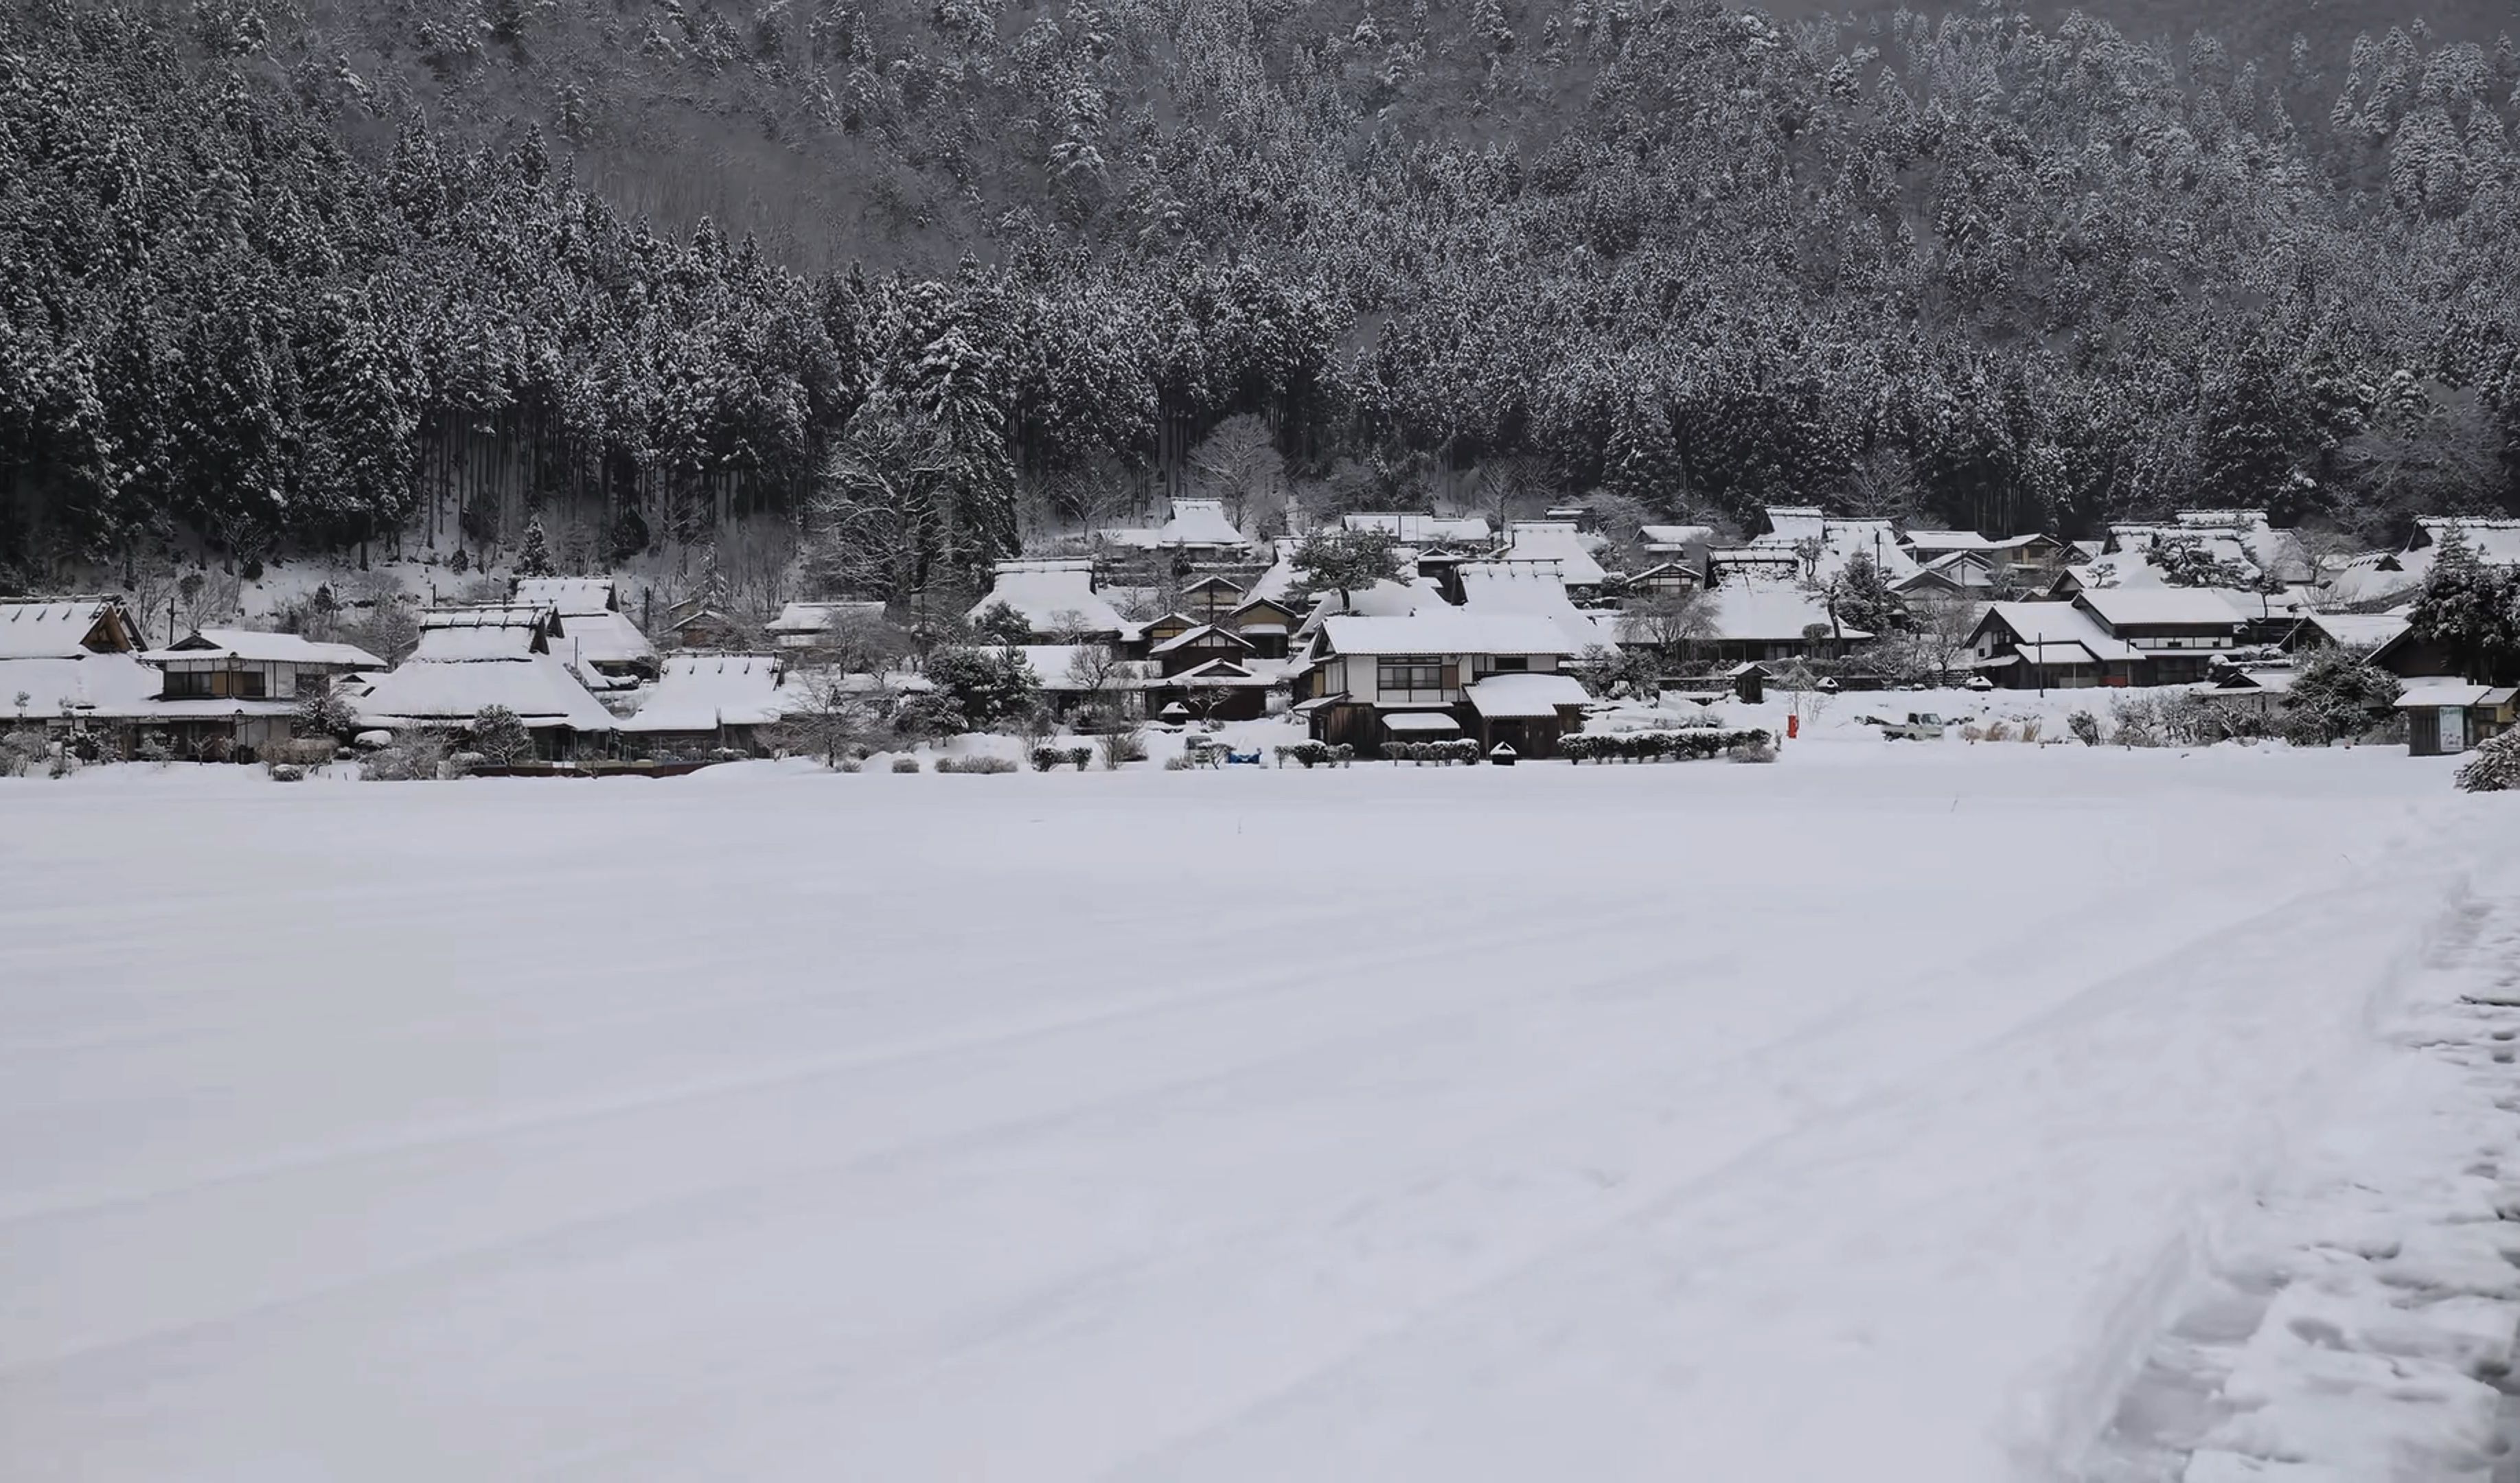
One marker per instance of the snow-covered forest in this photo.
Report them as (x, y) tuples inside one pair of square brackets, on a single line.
[(281, 278)]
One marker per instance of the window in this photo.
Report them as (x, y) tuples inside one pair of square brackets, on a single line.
[(1413, 677), (188, 685), (1511, 663), (252, 684)]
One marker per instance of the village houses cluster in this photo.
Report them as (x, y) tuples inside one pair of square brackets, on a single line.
[(1498, 637)]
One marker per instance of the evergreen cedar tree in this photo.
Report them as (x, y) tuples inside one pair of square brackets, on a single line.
[(2017, 277), (2473, 610)]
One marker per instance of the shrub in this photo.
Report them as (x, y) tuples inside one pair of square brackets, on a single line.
[(1441, 754), (852, 765), (981, 765), (1307, 753), (308, 751), (2139, 720), (419, 757), (499, 735), (2030, 730), (20, 748), (286, 772), (944, 765), (904, 763), (2085, 726), (1997, 731), (1081, 757), (2496, 766), (1675, 745), (1179, 762), (1044, 758), (1342, 754), (1757, 748), (1121, 745)]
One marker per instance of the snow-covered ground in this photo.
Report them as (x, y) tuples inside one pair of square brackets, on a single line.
[(1884, 1113)]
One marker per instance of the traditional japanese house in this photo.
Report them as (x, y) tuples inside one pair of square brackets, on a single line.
[(233, 692)]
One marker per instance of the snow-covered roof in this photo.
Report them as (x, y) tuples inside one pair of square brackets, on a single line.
[(823, 617), (2356, 630), (254, 646), (1554, 541), (1421, 722), (1203, 633), (1661, 538), (2495, 541), (1527, 695), (2159, 608), (1839, 539), (1792, 524), (489, 615), (1193, 523), (2034, 623), (1531, 588), (699, 692), (1052, 597), (569, 597), (2451, 692), (1774, 612), (605, 638), (537, 687), (2256, 679), (1223, 674), (472, 644), (2376, 575), (1448, 631), (92, 684), (57, 627), (1422, 530), (1382, 600), (1932, 543)]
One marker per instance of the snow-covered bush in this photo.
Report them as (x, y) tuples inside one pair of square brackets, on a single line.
[(286, 772), (1124, 742), (308, 751), (982, 765), (2334, 696), (499, 735), (2085, 726), (1442, 753), (1045, 758), (2139, 720), (20, 748), (1179, 762), (852, 765), (1997, 729), (1341, 754), (419, 757), (2494, 767), (1676, 745), (904, 763), (1306, 753), (1757, 746)]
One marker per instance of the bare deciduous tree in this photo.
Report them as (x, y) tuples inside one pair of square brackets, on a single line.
[(1238, 462)]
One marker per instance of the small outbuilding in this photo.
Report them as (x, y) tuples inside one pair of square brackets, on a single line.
[(2449, 716)]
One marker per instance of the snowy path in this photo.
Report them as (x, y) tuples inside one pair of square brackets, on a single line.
[(2363, 1321), (1736, 1123)]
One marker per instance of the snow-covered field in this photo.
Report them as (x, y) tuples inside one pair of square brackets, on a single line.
[(1886, 1114)]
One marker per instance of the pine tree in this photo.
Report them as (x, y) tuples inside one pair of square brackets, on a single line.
[(533, 558)]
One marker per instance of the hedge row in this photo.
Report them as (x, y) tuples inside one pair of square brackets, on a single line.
[(1697, 741), (1317, 754), (1044, 758), (1459, 750)]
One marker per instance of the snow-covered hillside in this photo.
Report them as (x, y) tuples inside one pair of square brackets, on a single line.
[(1869, 1115)]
